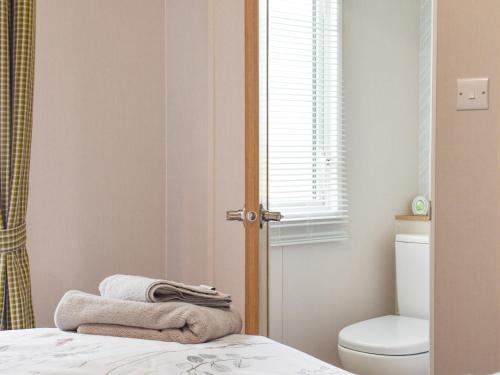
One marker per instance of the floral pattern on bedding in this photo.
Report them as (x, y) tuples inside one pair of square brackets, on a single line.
[(50, 351)]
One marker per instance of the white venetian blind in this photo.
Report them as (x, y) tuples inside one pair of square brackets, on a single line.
[(301, 91)]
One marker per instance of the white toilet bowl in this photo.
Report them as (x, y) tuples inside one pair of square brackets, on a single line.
[(396, 345), (388, 345)]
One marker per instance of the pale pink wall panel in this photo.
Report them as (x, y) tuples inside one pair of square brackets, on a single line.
[(467, 193), (97, 189)]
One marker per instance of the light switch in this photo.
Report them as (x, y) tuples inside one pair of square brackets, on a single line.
[(472, 94)]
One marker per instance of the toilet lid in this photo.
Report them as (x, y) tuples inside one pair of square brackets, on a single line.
[(387, 335)]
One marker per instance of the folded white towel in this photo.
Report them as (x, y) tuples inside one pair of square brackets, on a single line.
[(174, 321), (144, 289)]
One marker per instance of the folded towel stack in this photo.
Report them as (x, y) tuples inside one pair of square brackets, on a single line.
[(127, 308), (143, 289)]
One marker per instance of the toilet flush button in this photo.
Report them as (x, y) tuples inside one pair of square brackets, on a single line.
[(472, 94)]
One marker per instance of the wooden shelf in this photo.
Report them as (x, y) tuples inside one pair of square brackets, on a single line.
[(413, 218)]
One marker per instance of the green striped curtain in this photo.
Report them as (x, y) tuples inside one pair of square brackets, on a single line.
[(17, 55)]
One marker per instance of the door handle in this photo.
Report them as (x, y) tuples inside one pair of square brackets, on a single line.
[(267, 216), (270, 216), (241, 215), (251, 216), (235, 215)]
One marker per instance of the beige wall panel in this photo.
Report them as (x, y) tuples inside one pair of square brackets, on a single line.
[(190, 129), (467, 182), (229, 171), (205, 143), (97, 190)]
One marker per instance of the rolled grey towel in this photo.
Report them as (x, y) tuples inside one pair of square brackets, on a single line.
[(174, 321), (144, 289)]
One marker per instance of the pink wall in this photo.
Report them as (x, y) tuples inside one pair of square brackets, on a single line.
[(467, 216), (190, 145), (205, 143), (97, 191)]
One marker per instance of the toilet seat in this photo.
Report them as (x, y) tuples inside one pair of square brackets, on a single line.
[(390, 335)]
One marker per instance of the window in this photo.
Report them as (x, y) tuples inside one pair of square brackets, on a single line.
[(301, 105)]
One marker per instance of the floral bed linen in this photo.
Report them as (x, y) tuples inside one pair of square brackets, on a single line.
[(50, 351)]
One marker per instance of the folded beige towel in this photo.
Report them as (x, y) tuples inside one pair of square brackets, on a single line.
[(144, 289), (174, 335), (173, 321)]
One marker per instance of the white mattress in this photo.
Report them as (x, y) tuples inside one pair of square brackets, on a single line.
[(50, 351)]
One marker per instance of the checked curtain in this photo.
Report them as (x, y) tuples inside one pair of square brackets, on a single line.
[(17, 41)]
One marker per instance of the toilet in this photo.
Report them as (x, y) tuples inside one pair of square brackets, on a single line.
[(395, 344)]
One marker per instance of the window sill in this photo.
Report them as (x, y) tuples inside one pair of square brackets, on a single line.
[(413, 218)]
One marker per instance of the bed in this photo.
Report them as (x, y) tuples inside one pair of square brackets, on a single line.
[(50, 351)]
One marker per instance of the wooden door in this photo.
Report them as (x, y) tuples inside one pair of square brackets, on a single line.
[(252, 198)]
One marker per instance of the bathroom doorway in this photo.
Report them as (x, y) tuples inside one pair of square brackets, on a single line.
[(344, 98)]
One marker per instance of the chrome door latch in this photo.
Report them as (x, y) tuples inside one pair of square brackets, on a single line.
[(241, 215), (235, 215), (271, 216), (267, 216), (251, 216)]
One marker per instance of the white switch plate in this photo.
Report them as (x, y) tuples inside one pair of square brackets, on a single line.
[(472, 94)]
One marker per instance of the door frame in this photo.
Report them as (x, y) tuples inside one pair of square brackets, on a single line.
[(252, 199), (252, 249)]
